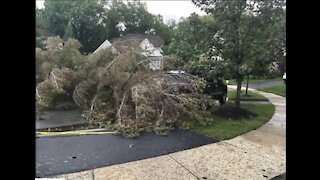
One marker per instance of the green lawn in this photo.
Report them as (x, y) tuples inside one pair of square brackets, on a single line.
[(280, 90), (252, 96), (233, 81), (222, 129)]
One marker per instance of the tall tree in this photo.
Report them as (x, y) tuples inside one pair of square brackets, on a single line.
[(81, 19), (234, 19), (93, 21), (191, 37)]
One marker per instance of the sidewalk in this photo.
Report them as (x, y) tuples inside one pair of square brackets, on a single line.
[(259, 154)]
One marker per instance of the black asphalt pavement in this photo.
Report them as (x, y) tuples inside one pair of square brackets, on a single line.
[(67, 154)]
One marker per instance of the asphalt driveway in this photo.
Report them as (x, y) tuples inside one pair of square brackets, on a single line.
[(66, 154)]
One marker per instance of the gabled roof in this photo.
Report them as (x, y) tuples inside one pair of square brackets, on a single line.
[(149, 49), (157, 41), (125, 45), (104, 45)]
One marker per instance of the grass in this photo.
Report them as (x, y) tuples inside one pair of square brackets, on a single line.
[(280, 90), (222, 129), (233, 81), (252, 96)]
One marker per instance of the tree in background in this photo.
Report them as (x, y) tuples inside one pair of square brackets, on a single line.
[(40, 26), (236, 28), (93, 21), (273, 16), (191, 37)]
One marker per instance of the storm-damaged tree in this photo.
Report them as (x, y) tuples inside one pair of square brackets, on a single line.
[(56, 73), (120, 92)]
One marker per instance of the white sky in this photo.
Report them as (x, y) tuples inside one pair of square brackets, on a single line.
[(168, 9)]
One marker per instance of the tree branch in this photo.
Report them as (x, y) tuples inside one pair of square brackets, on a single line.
[(37, 92), (120, 108), (54, 80), (94, 99)]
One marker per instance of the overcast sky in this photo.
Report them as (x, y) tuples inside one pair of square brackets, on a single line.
[(168, 9)]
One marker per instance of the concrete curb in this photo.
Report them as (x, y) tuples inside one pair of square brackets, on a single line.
[(74, 133)]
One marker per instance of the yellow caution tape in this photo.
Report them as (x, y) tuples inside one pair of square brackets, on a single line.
[(73, 133)]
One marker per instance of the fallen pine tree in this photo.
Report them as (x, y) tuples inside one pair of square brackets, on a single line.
[(120, 92)]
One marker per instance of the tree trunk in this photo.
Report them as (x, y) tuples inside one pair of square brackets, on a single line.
[(238, 92), (247, 84), (119, 111)]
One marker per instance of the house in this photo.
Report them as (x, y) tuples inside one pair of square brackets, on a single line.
[(154, 54), (150, 45), (104, 45)]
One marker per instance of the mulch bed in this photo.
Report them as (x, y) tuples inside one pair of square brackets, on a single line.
[(231, 112)]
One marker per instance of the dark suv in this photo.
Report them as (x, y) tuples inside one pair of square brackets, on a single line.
[(215, 88)]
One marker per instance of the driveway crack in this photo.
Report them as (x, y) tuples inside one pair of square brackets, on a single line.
[(93, 175), (183, 167)]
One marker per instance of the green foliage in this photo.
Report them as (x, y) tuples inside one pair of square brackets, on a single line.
[(68, 32), (191, 37), (56, 71), (210, 65), (280, 90), (173, 62), (56, 88), (223, 129), (251, 96), (244, 30), (93, 21)]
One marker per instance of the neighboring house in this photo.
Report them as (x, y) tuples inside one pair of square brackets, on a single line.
[(104, 45), (149, 44), (154, 54)]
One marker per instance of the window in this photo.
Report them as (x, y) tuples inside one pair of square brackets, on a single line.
[(155, 64)]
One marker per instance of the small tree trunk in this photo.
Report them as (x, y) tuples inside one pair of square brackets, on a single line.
[(119, 111), (93, 101), (238, 92), (247, 84)]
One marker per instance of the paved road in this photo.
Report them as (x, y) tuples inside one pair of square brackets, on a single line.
[(264, 84), (58, 155), (261, 84)]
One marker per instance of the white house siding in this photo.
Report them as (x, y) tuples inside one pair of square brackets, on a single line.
[(154, 54), (104, 45), (155, 62)]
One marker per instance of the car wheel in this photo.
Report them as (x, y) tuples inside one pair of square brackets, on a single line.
[(223, 99)]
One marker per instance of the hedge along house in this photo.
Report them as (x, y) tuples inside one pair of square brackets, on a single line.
[(150, 45)]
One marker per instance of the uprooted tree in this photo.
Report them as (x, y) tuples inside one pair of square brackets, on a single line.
[(125, 95), (118, 91)]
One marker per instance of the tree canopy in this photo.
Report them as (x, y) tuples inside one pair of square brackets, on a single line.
[(93, 21)]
